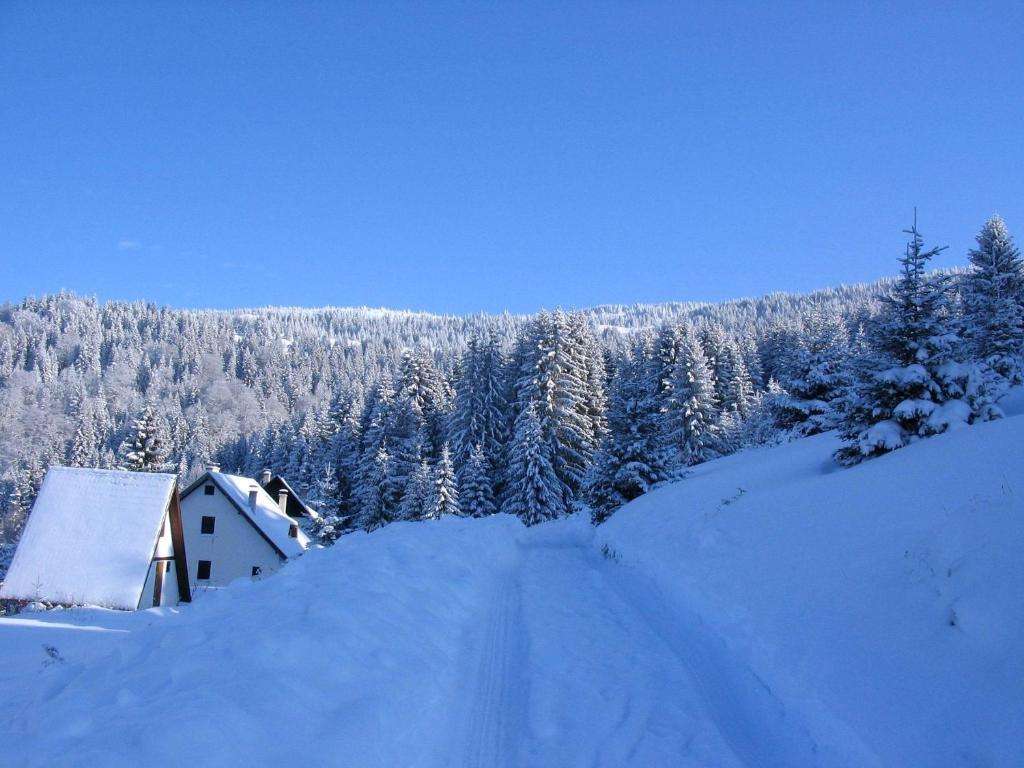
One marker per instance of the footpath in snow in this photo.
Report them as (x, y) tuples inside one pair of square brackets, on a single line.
[(769, 610)]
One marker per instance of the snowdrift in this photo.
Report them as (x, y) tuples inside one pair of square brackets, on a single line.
[(881, 602), (769, 610)]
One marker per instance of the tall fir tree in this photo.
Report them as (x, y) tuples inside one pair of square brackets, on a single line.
[(533, 491), (146, 448), (912, 388), (446, 490), (476, 492), (807, 398), (630, 461), (992, 292), (418, 498), (690, 425)]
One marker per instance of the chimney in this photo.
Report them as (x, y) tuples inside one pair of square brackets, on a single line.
[(213, 467), (253, 495), (282, 500), (265, 477)]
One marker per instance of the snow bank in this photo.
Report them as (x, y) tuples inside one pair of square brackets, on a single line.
[(347, 656), (882, 601)]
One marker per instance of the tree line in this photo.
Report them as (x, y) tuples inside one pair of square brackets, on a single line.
[(378, 416)]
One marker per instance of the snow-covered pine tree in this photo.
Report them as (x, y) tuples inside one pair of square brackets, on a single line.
[(446, 489), (913, 388), (329, 524), (735, 386), (805, 401), (344, 456), (476, 492), (408, 441), (430, 396), (992, 293), (533, 491), (418, 499), (480, 416), (146, 447), (555, 386), (377, 499), (87, 440), (690, 428), (630, 461)]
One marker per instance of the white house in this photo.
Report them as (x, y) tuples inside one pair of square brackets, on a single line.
[(233, 528), (102, 537)]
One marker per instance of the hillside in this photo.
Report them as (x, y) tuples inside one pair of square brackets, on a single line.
[(769, 610)]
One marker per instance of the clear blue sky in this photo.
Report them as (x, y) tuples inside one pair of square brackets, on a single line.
[(458, 157)]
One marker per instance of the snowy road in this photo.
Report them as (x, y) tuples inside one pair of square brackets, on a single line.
[(580, 665), (462, 643)]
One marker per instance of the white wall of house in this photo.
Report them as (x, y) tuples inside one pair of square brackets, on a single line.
[(233, 549), (169, 588)]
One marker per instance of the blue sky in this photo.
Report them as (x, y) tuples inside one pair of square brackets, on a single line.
[(460, 157)]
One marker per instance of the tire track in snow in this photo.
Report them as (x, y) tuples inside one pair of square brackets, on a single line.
[(496, 699), (759, 728)]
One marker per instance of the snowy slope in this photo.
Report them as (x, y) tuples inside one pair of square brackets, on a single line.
[(886, 597), (803, 622)]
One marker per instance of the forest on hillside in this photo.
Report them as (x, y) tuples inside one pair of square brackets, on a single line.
[(380, 415)]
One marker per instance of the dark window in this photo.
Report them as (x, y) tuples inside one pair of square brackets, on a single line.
[(293, 531), (208, 490), (256, 570), (208, 523), (168, 568), (203, 571)]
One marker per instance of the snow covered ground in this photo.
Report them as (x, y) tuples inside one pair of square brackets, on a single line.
[(769, 610)]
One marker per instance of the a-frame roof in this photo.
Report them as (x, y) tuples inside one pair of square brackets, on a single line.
[(266, 517), (90, 538)]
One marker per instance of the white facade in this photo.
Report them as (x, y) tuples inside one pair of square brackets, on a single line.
[(247, 535)]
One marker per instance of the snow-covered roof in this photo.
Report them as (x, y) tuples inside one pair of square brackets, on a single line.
[(90, 537), (266, 515), (311, 513)]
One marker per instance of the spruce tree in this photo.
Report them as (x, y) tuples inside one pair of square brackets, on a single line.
[(446, 490), (690, 424), (993, 301), (805, 401), (533, 490), (418, 499), (146, 447), (911, 388), (476, 493), (631, 460), (377, 498)]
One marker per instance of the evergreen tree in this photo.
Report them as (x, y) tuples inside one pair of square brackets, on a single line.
[(533, 491), (481, 412), (329, 523), (476, 493), (911, 390), (418, 501), (993, 301), (555, 386), (446, 491), (630, 461), (377, 494), (806, 400), (690, 425), (146, 448)]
